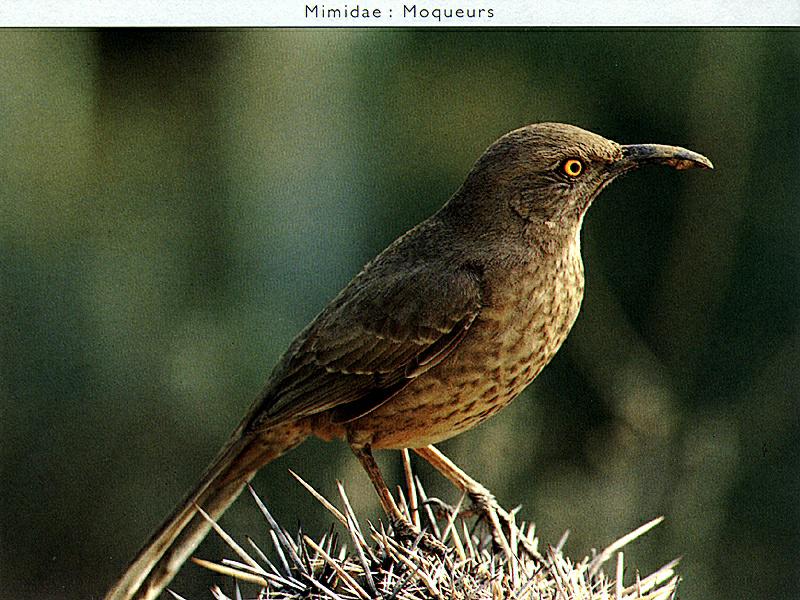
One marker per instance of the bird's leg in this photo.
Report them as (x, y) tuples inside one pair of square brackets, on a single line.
[(403, 528), (482, 499)]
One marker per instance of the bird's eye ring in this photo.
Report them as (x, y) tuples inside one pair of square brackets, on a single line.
[(572, 167)]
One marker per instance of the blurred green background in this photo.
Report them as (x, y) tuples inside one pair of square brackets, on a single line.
[(176, 205)]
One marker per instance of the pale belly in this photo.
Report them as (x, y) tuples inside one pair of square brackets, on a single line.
[(506, 348)]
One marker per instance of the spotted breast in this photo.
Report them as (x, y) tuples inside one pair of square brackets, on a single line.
[(528, 313)]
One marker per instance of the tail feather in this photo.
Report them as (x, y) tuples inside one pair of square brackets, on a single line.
[(171, 545)]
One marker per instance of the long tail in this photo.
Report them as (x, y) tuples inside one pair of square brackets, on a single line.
[(165, 552)]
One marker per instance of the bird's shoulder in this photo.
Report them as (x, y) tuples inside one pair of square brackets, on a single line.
[(412, 294)]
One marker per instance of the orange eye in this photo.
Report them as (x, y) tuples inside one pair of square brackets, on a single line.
[(572, 167)]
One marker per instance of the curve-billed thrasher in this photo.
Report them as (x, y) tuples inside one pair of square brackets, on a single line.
[(439, 332)]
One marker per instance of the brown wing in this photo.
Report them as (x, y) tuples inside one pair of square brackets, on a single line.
[(381, 332)]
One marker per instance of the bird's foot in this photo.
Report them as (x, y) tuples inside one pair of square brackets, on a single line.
[(484, 506), (501, 523), (406, 532)]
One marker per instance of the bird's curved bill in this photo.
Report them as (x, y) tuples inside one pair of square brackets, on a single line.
[(635, 155)]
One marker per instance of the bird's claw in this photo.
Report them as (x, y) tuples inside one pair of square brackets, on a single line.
[(484, 506), (501, 523), (406, 532)]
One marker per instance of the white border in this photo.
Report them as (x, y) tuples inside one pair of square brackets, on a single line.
[(291, 13)]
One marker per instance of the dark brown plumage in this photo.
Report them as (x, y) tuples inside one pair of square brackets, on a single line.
[(439, 332)]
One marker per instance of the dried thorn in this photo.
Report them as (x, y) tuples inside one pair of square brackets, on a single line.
[(402, 504), (346, 577), (325, 590), (651, 582), (468, 538), (321, 499), (411, 489), (230, 541), (562, 541), (263, 556), (619, 575), (277, 529), (553, 568), (528, 585), (531, 537), (359, 544), (278, 580), (401, 583), (367, 571), (428, 511), (331, 541), (277, 545), (451, 529), (303, 550), (513, 561), (217, 593), (350, 517), (654, 579), (400, 554), (242, 566), (230, 572), (598, 560)]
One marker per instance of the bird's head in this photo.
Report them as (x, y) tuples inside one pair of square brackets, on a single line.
[(548, 174)]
